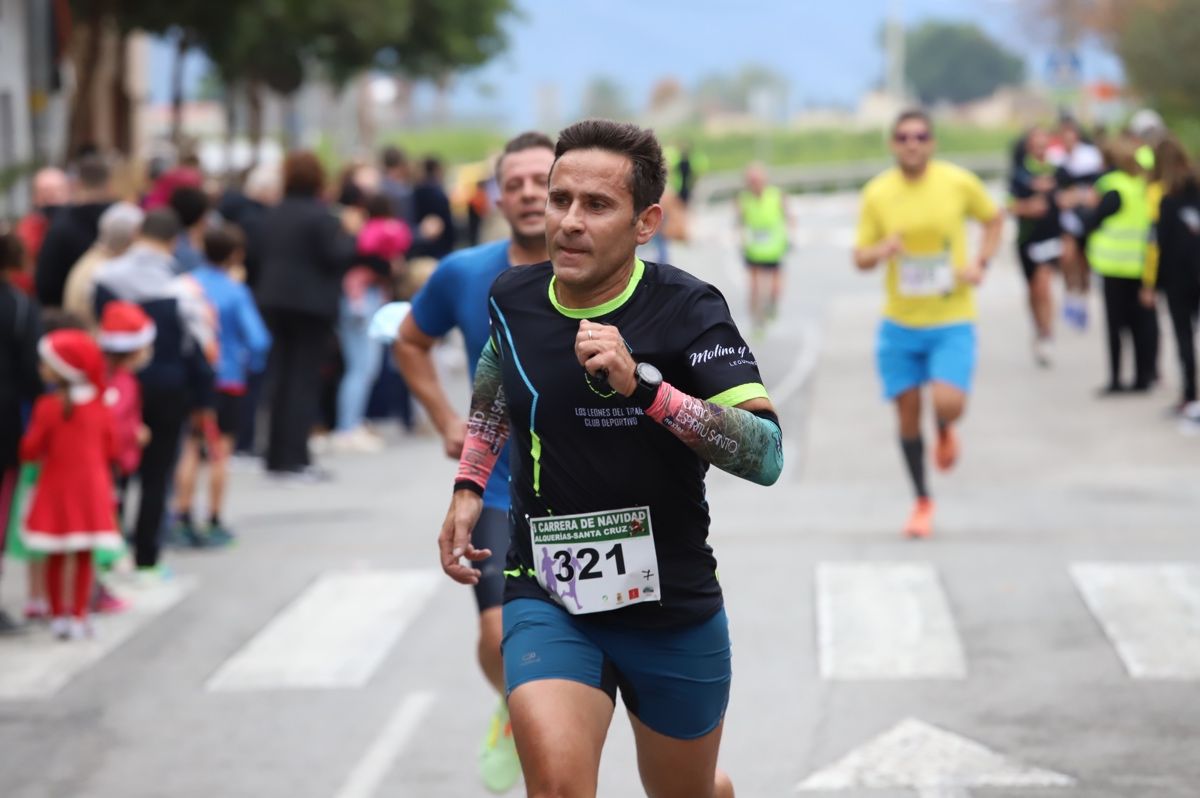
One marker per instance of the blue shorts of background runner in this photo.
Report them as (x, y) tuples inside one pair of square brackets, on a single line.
[(675, 681), (909, 357)]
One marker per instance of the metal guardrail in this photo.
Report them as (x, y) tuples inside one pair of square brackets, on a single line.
[(812, 178)]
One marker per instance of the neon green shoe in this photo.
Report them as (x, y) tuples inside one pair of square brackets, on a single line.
[(498, 762)]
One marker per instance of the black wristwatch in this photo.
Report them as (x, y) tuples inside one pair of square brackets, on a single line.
[(649, 380)]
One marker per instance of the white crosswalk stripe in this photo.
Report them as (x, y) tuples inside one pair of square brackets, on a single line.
[(1150, 612), (887, 620), (38, 666), (335, 634)]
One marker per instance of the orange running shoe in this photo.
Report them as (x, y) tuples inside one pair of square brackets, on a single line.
[(947, 448), (920, 523)]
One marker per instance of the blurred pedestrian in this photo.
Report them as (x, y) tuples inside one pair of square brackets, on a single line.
[(435, 233), (1117, 228), (396, 183), (382, 244), (120, 226), (763, 222), (306, 252), (191, 205), (51, 192), (177, 382), (1178, 272), (71, 514), (1033, 187), (73, 230), (20, 330), (244, 344)]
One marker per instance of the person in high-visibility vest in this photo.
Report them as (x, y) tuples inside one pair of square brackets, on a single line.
[(685, 165), (1118, 229), (763, 222)]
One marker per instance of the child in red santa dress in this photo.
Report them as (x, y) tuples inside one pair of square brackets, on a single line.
[(71, 434)]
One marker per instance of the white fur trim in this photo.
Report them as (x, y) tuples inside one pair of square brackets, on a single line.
[(82, 394), (60, 366), (71, 541), (122, 342)]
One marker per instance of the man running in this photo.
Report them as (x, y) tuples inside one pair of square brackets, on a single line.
[(763, 223), (620, 381), (456, 296), (1032, 190), (914, 220)]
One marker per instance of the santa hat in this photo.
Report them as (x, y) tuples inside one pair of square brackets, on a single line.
[(125, 327), (74, 356)]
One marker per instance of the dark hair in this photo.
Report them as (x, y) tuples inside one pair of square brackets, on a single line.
[(303, 174), (392, 157), (59, 319), (190, 204), (910, 114), (1172, 166), (430, 166), (379, 206), (93, 172), (529, 140), (12, 251), (221, 241), (162, 225), (648, 170)]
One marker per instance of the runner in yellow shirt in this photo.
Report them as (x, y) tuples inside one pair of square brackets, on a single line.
[(913, 220)]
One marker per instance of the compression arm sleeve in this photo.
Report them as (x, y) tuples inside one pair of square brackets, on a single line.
[(734, 440), (487, 425)]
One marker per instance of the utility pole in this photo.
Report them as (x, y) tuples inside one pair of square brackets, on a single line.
[(894, 44)]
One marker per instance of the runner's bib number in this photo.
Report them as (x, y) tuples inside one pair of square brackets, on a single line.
[(926, 275), (596, 562), (1045, 251)]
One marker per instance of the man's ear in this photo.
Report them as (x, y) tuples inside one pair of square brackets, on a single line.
[(648, 222)]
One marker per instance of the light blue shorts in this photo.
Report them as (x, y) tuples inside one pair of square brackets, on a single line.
[(909, 357)]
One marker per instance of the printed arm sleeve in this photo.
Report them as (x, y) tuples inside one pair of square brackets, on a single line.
[(740, 442), (487, 425)]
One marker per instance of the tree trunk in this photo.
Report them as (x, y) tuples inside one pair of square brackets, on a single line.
[(366, 115), (122, 103), (182, 45), (230, 100), (83, 104), (254, 118)]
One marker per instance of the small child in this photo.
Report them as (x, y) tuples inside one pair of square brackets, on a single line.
[(71, 434), (243, 345), (382, 244), (127, 339)]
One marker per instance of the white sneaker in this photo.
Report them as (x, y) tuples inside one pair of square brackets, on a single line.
[(61, 628), (81, 629), (1043, 350), (356, 440), (1190, 411), (319, 444)]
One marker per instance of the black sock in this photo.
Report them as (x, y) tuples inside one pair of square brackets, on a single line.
[(914, 458), (215, 520)]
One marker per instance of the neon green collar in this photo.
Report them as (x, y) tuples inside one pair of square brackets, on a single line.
[(620, 299)]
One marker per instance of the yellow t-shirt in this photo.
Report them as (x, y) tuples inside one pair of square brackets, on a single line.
[(1154, 195), (930, 215)]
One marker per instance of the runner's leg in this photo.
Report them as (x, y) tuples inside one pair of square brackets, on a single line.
[(491, 630), (560, 728), (672, 768)]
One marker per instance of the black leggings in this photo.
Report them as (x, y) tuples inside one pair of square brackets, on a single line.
[(294, 383), (1124, 312), (1183, 301), (163, 412)]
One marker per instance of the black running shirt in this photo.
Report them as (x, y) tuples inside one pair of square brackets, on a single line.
[(575, 450)]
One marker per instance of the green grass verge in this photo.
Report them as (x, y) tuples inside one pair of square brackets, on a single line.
[(731, 151)]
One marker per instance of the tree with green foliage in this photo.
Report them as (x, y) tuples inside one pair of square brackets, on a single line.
[(957, 63), (1160, 49)]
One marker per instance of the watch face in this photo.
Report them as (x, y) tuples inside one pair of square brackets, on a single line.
[(649, 374)]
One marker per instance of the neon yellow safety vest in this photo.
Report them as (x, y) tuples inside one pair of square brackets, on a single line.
[(1118, 247), (765, 223), (1145, 157)]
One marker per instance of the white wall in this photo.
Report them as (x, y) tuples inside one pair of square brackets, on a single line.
[(15, 144)]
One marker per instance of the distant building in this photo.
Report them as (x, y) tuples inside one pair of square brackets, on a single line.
[(16, 128)]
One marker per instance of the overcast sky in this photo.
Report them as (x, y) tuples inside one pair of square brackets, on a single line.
[(828, 50)]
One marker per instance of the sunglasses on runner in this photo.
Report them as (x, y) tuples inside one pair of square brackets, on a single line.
[(904, 138)]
